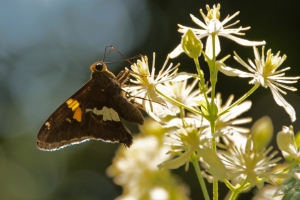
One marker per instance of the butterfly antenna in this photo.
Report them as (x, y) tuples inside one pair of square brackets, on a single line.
[(129, 96), (112, 48)]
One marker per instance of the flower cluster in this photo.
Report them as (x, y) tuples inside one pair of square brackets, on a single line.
[(249, 166), (199, 129), (135, 170)]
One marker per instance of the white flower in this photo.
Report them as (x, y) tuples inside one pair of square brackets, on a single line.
[(135, 169), (263, 71), (286, 142), (228, 125), (190, 96), (147, 82), (191, 120), (184, 141), (189, 142), (184, 93), (129, 164), (213, 26), (248, 165), (228, 121)]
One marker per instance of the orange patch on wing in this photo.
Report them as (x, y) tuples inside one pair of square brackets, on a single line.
[(74, 105), (77, 114)]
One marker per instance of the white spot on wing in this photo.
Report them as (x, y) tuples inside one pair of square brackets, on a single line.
[(108, 113), (48, 125)]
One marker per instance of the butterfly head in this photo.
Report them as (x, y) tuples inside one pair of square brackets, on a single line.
[(99, 66)]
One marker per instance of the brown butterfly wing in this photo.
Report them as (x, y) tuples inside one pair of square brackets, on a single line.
[(64, 127)]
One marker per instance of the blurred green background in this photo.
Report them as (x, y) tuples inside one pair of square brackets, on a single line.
[(46, 48)]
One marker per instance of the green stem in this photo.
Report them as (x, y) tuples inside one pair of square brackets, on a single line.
[(234, 195), (182, 115), (240, 100), (228, 184), (237, 190), (214, 148), (286, 169), (200, 178), (213, 74), (213, 81), (202, 80)]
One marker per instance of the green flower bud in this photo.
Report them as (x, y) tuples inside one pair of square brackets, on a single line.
[(262, 132), (191, 45)]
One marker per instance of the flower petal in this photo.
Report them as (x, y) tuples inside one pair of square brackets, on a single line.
[(209, 45), (286, 141), (243, 41), (216, 167), (176, 162), (282, 102), (182, 76), (231, 71), (176, 52)]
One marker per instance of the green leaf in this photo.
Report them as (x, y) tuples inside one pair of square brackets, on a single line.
[(290, 187)]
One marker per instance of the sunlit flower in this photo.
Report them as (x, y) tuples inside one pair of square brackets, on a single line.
[(213, 26), (190, 120), (286, 142), (229, 121), (188, 142), (147, 82), (263, 71), (188, 95), (248, 165), (184, 93), (229, 124), (184, 141), (135, 169)]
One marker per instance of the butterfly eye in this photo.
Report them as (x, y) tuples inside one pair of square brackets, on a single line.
[(99, 67)]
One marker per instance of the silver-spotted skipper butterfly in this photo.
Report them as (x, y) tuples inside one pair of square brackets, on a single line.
[(93, 112)]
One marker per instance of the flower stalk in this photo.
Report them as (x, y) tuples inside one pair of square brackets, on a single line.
[(195, 162)]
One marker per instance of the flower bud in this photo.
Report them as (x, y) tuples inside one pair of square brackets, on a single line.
[(262, 132), (191, 45)]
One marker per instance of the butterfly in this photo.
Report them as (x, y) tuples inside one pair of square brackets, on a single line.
[(94, 112)]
